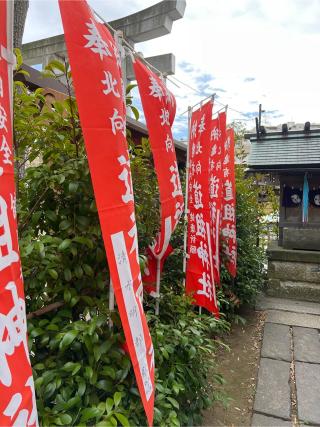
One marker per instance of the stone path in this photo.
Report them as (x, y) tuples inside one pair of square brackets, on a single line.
[(288, 387)]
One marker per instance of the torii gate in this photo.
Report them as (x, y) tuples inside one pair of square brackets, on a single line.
[(149, 23)]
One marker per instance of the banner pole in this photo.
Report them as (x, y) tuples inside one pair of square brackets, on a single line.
[(111, 303), (158, 286), (186, 199)]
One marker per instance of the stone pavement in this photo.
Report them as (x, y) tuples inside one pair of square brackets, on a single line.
[(288, 387)]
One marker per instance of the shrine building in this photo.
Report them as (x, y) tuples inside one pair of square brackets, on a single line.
[(291, 159)]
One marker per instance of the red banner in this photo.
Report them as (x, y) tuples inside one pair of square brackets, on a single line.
[(217, 137), (159, 108), (150, 273), (96, 70), (228, 220), (17, 396), (199, 271)]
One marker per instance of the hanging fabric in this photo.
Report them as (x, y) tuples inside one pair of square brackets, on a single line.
[(159, 108), (17, 395), (217, 138), (96, 71), (228, 219), (305, 199), (199, 268)]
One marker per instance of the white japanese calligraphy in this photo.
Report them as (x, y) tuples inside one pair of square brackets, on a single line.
[(229, 231), (178, 212), (125, 176), (110, 84), (213, 187), (133, 233), (3, 118), (175, 180), (215, 134), (227, 143), (203, 254), (228, 191), (169, 144), (7, 254), (207, 289), (197, 195), (164, 117), (155, 88), (228, 212), (1, 88), (198, 168), (23, 418), (13, 205), (194, 129), (214, 150), (226, 159), (95, 41), (198, 148), (201, 226), (202, 127), (13, 332), (118, 123), (231, 254)]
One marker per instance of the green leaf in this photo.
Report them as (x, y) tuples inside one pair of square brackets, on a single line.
[(53, 273), (67, 274), (88, 413), (192, 352), (66, 419), (67, 339), (123, 420), (135, 112), (78, 271), (67, 295), (117, 398), (73, 187), (64, 245), (109, 405), (130, 87), (64, 225)]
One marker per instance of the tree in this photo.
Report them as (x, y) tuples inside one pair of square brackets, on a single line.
[(20, 15)]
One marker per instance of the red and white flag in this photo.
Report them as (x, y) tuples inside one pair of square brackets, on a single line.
[(17, 396), (199, 268), (96, 70), (217, 137), (228, 220), (159, 107)]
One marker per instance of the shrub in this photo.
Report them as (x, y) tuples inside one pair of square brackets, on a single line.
[(82, 374)]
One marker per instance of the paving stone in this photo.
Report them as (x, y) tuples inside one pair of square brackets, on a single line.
[(285, 304), (276, 342), (306, 344), (293, 319), (273, 391), (259, 420), (308, 392)]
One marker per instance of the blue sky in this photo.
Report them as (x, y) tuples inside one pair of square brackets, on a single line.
[(246, 51)]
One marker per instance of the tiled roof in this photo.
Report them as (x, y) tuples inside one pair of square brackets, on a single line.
[(285, 150)]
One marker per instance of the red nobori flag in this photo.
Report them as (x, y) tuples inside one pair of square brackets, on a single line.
[(17, 396), (159, 108), (96, 71), (217, 137), (228, 220), (199, 271)]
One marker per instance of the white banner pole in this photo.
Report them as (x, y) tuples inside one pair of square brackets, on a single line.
[(111, 303), (158, 286), (186, 198)]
